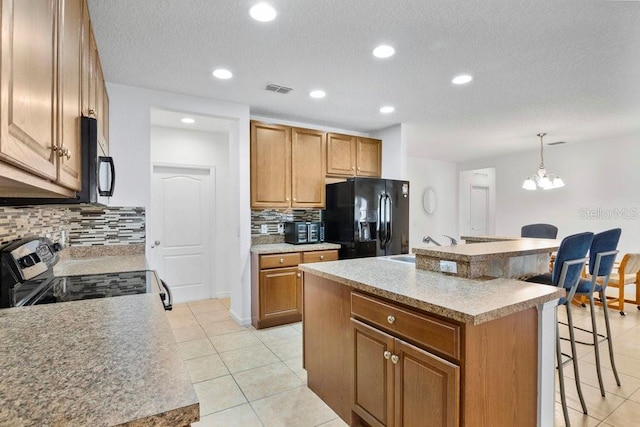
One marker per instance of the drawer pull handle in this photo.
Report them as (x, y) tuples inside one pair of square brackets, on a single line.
[(387, 354), (394, 359), (321, 256), (281, 260), (391, 319)]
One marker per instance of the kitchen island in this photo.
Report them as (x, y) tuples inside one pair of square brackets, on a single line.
[(99, 362), (388, 344)]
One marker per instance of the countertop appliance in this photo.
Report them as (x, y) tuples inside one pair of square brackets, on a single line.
[(26, 278), (368, 217), (98, 172), (303, 232)]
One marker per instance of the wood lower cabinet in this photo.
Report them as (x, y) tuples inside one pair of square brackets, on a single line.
[(349, 156), (377, 362), (276, 286)]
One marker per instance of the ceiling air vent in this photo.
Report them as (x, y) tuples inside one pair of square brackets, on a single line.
[(272, 87)]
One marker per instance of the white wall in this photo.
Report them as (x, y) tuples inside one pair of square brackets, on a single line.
[(443, 177), (601, 189), (130, 146), (394, 152), (198, 148)]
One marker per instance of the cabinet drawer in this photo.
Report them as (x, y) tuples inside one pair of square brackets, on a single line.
[(319, 256), (422, 329), (280, 260)]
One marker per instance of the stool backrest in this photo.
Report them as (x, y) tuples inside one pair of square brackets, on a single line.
[(606, 241), (541, 231), (571, 248)]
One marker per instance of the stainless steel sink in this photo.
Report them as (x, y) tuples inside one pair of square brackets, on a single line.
[(411, 259)]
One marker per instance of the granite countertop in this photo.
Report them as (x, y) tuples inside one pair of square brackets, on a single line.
[(465, 300), (278, 248), (490, 250), (96, 362), (100, 265)]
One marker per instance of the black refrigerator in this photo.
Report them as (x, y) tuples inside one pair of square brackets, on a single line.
[(368, 217)]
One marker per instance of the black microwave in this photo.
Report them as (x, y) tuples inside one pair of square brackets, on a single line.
[(303, 232)]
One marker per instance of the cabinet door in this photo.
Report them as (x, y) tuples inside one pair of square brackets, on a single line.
[(101, 103), (28, 85), (70, 93), (341, 155), (373, 375), (369, 157), (270, 165), (308, 168), (280, 293), (425, 384)]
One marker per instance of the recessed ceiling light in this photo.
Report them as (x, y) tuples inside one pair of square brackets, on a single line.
[(223, 74), (317, 94), (262, 12), (387, 109), (188, 120), (383, 51), (461, 79)]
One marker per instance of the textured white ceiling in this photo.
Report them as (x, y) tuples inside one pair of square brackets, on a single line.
[(565, 67)]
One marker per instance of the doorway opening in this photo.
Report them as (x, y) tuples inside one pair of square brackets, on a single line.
[(190, 203)]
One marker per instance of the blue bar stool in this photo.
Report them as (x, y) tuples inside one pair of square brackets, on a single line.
[(602, 255), (568, 266)]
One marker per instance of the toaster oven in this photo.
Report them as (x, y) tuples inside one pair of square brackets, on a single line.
[(303, 232)]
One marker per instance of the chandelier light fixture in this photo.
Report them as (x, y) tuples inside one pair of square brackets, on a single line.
[(542, 180)]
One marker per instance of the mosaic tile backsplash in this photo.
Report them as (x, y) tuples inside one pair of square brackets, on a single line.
[(273, 217), (75, 225)]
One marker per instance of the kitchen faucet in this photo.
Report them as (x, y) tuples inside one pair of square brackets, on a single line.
[(429, 239)]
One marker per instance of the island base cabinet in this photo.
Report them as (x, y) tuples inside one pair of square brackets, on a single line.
[(396, 383), (490, 382)]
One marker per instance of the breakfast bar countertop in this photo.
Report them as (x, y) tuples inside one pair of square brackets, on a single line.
[(490, 250), (99, 362), (472, 301)]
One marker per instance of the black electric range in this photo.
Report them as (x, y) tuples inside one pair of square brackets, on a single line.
[(27, 278)]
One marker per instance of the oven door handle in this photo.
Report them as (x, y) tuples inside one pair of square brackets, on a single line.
[(168, 304)]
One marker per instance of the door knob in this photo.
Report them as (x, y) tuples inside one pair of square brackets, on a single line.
[(154, 244)]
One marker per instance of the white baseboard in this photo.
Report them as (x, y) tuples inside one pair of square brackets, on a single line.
[(243, 322), (226, 294)]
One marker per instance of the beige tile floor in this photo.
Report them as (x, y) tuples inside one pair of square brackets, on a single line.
[(245, 377)]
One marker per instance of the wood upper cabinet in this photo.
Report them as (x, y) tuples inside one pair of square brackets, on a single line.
[(308, 165), (270, 166), (287, 167), (45, 86), (28, 86), (98, 95), (71, 57), (369, 157), (353, 156)]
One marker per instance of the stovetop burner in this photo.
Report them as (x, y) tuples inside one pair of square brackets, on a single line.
[(50, 289)]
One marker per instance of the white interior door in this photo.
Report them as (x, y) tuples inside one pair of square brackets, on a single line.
[(180, 235), (479, 210)]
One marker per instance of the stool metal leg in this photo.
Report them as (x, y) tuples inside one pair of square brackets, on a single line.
[(594, 330), (574, 357), (609, 340)]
